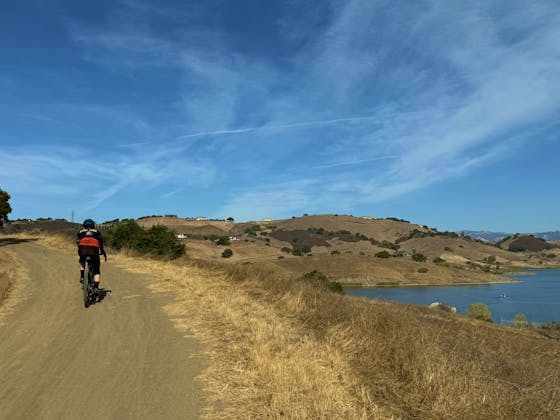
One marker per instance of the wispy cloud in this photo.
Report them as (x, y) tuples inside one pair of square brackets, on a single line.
[(376, 99), (68, 174), (273, 200), (442, 124)]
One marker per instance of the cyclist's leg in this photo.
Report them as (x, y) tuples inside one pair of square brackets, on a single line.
[(95, 263), (82, 268), (93, 253)]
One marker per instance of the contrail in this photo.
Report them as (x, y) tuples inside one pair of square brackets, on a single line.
[(276, 127), (219, 132), (355, 162), (322, 122)]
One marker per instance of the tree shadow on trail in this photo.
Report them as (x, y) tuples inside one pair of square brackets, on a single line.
[(14, 241)]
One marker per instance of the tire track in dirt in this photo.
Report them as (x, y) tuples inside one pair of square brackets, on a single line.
[(119, 359)]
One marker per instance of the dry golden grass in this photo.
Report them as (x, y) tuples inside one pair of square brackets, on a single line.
[(282, 349), (264, 364), (7, 273), (417, 363), (13, 282)]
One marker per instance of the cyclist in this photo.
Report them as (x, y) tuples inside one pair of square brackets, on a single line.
[(90, 244)]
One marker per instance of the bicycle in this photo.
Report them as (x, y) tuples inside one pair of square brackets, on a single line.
[(90, 293)]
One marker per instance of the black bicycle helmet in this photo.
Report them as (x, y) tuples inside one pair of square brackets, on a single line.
[(88, 224)]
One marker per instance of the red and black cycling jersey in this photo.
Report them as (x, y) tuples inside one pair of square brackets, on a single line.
[(90, 237)]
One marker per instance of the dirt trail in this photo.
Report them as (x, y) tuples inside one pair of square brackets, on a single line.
[(119, 359)]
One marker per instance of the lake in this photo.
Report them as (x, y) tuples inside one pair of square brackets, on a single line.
[(537, 296)]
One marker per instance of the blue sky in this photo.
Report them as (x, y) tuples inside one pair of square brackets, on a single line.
[(444, 113)]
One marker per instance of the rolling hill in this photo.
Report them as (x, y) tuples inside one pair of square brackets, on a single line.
[(347, 249), (355, 250), (498, 236)]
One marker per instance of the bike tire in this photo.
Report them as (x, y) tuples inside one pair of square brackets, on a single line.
[(87, 284)]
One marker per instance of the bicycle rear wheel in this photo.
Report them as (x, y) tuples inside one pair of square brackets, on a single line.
[(87, 284)]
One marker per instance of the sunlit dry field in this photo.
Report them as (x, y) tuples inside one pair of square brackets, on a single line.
[(281, 348)]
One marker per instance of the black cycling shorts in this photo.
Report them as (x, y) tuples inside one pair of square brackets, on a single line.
[(93, 252)]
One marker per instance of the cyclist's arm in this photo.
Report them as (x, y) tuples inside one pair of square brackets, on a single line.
[(101, 248)]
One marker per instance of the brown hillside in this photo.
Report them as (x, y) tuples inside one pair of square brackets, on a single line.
[(42, 225), (343, 250), (379, 229), (372, 271), (529, 243), (189, 226), (439, 246), (303, 237)]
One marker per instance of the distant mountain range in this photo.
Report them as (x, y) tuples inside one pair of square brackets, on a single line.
[(497, 236)]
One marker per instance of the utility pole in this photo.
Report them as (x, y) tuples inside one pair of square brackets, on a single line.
[(72, 216)]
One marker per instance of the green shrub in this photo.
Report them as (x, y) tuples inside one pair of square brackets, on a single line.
[(479, 310), (227, 253), (223, 240), (160, 241), (418, 257), (253, 229), (301, 250), (125, 235), (320, 280), (156, 241), (383, 254), (286, 250), (362, 237), (423, 270), (390, 245), (521, 321), (441, 262), (490, 260)]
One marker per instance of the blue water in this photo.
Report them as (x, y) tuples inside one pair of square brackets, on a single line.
[(537, 296)]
